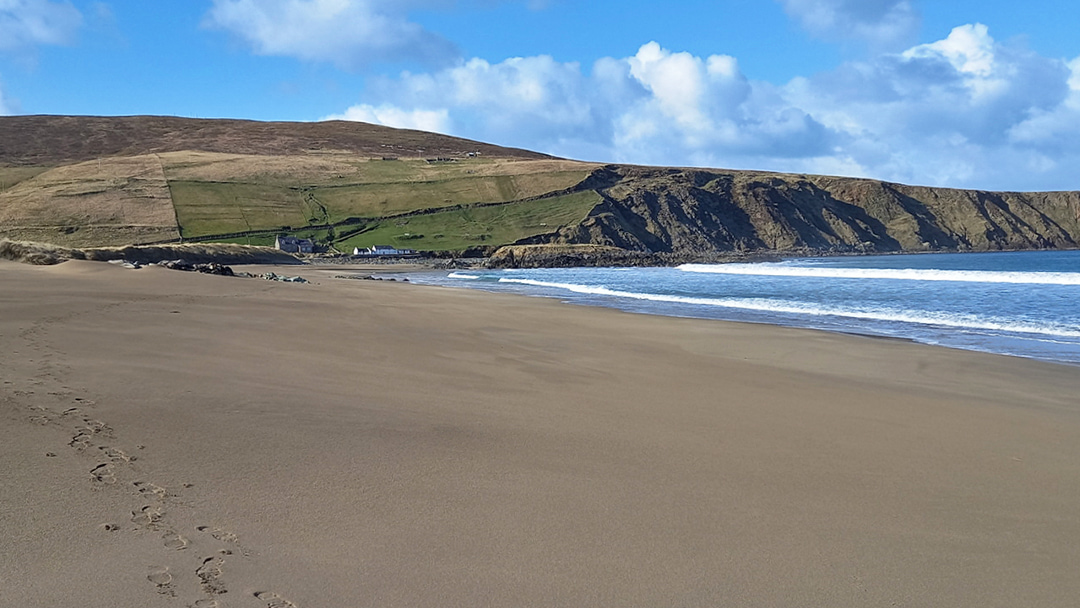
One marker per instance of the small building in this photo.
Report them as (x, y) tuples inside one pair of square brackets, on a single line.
[(292, 244), (382, 250)]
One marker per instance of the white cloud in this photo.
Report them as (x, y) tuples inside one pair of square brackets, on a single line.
[(951, 112), (25, 24), (654, 107), (880, 23), (436, 121), (535, 98), (1056, 130), (971, 52), (348, 33), (965, 111)]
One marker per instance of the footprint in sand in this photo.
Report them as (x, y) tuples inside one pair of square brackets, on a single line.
[(274, 600), (205, 604), (148, 517), (80, 441), (95, 427), (103, 475), (162, 579), (173, 540), (115, 455), (222, 535), (42, 415), (150, 490), (209, 574)]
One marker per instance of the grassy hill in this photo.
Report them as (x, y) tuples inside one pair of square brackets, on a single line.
[(94, 181), (86, 181)]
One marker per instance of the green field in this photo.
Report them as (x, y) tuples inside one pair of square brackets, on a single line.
[(9, 176), (334, 199), (359, 205), (207, 208), (462, 228), (382, 199)]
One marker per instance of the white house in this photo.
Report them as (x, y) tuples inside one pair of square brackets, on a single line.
[(382, 250)]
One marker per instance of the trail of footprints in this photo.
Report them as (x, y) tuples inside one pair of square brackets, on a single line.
[(113, 464), (114, 468)]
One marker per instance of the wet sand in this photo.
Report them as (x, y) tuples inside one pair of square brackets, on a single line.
[(173, 439)]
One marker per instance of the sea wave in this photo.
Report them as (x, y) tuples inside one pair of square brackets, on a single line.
[(951, 320), (459, 275), (900, 274)]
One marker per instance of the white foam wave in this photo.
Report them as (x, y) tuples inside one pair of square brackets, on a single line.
[(459, 275), (952, 320), (900, 274)]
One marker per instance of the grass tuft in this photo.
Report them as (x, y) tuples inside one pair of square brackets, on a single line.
[(44, 254)]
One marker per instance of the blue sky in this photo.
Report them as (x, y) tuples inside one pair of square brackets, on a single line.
[(961, 93)]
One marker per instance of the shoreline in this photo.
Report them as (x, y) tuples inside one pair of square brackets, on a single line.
[(245, 441), (649, 260), (552, 287), (370, 268)]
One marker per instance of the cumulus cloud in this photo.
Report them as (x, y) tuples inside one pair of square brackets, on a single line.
[(880, 23), (25, 24), (657, 106), (348, 33), (435, 121), (946, 112), (1053, 131), (964, 111)]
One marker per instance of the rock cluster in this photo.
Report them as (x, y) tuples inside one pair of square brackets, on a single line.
[(208, 268), (270, 276), (367, 277)]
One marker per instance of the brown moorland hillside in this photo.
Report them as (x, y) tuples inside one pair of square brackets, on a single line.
[(53, 140)]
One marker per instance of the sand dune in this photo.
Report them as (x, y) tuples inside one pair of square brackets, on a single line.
[(173, 439)]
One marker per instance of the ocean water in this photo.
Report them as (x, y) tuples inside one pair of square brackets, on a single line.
[(1018, 303)]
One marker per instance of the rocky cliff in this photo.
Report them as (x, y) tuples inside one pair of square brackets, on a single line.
[(703, 212)]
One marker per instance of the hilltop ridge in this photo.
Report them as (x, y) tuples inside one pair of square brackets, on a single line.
[(52, 140)]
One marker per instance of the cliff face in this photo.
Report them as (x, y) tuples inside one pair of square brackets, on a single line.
[(702, 212)]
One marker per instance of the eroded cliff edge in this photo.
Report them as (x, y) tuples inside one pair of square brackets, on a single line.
[(696, 212)]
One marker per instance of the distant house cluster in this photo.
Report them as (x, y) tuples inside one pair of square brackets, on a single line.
[(382, 250), (292, 244)]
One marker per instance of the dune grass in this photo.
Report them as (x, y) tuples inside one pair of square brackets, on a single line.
[(44, 254)]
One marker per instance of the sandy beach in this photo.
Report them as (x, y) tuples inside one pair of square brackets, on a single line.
[(173, 439)]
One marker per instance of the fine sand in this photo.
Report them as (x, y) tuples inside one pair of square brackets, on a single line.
[(173, 439)]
